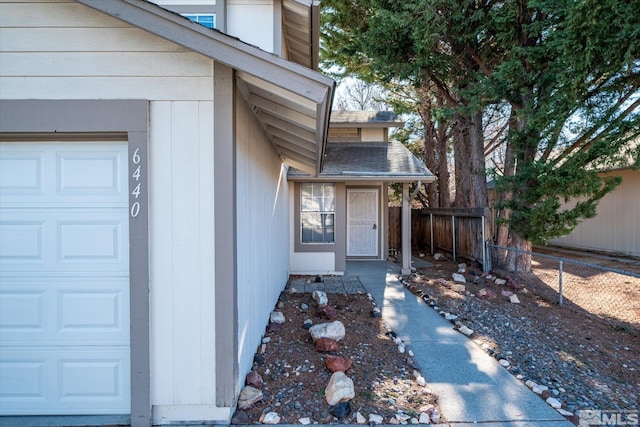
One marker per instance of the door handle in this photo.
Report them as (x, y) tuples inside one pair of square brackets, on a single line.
[(375, 227)]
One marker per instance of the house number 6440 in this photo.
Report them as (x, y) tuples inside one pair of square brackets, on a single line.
[(137, 174)]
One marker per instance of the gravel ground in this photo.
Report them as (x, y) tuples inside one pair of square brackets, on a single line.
[(585, 362)]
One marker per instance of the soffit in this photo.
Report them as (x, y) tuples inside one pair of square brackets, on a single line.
[(300, 30)]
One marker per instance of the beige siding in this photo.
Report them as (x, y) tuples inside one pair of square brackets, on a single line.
[(262, 222), (616, 227), (64, 50), (372, 134)]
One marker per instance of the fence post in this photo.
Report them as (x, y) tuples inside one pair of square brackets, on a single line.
[(484, 248), (560, 283), (431, 226), (453, 236)]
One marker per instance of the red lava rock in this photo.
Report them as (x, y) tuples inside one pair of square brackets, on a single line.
[(486, 293), (274, 327), (240, 417), (326, 344), (545, 394), (254, 379), (335, 363), (326, 312), (512, 284)]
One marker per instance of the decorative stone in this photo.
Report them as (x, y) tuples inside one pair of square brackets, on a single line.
[(270, 418), (554, 403), (337, 364), (485, 293), (326, 312), (402, 417), (360, 419), (375, 419), (504, 362), (339, 389), (500, 282), (514, 299), (305, 421), (421, 381), (506, 294), (266, 340), (457, 277), (320, 297), (458, 288), (465, 330), (254, 379), (424, 418), (394, 421), (308, 323), (439, 257), (538, 389), (248, 396), (240, 417), (564, 412), (341, 410), (414, 420), (434, 415), (304, 307), (277, 317), (326, 345), (274, 327), (334, 330)]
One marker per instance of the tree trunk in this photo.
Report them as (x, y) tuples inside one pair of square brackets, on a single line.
[(516, 260)]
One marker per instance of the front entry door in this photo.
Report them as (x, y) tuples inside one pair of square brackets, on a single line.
[(362, 222)]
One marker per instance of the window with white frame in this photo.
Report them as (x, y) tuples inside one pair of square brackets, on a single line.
[(207, 20), (317, 212)]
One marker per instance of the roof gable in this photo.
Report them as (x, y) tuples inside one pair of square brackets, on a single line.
[(291, 102)]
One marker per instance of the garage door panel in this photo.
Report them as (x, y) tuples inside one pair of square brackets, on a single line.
[(64, 278), (81, 175), (56, 381), (94, 241), (21, 240), (21, 173), (22, 312), (68, 311)]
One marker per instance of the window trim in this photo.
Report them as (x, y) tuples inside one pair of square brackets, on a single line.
[(301, 212)]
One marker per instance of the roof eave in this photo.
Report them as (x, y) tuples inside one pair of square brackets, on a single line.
[(296, 79)]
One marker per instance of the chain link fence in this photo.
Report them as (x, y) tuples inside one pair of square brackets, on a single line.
[(610, 294)]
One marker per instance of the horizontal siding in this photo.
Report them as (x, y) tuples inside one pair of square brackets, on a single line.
[(101, 64), (158, 88), (96, 39), (64, 50), (616, 227), (40, 14)]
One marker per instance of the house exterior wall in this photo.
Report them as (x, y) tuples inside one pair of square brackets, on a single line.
[(263, 225), (615, 228), (332, 259), (46, 52), (373, 134), (253, 22)]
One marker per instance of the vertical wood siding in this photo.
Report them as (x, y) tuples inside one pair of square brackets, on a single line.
[(263, 224)]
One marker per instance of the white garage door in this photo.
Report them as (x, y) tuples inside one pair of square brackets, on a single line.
[(64, 279)]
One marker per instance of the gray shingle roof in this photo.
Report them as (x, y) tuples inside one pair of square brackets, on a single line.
[(380, 161)]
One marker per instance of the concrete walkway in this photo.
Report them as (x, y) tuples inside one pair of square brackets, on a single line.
[(473, 389)]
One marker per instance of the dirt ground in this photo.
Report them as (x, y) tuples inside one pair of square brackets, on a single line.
[(295, 375)]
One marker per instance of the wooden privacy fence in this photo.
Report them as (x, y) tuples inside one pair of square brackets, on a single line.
[(460, 232)]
